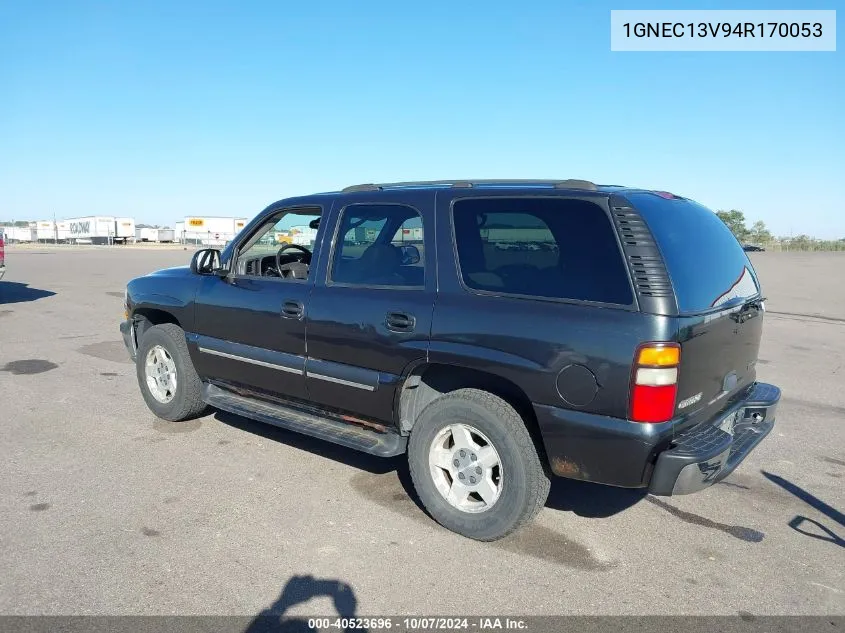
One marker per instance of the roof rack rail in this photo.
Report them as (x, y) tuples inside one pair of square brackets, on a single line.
[(571, 183), (364, 187), (574, 183)]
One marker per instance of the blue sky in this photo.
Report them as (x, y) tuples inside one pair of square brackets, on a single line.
[(162, 109)]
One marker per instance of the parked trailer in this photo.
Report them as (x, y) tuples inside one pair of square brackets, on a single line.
[(45, 231), (19, 234), (63, 231), (124, 230), (166, 235), (413, 234), (209, 231), (148, 234), (51, 232), (93, 229)]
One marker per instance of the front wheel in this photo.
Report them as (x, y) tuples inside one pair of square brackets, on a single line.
[(167, 378), (475, 466)]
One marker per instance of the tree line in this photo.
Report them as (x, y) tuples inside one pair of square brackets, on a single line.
[(759, 235)]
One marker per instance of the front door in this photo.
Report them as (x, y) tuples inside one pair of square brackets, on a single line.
[(369, 316), (250, 325)]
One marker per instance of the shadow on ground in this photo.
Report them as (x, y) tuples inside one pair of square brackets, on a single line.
[(387, 482), (15, 292), (584, 499), (300, 589), (592, 501), (335, 452), (821, 532)]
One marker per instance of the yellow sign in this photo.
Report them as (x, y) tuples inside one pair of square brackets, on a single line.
[(195, 222), (240, 225)]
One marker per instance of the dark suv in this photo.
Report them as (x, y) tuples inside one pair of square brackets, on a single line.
[(498, 332)]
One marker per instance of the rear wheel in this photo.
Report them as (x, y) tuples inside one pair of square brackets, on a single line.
[(474, 465), (167, 378)]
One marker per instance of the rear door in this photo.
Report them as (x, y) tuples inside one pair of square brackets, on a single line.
[(719, 301), (369, 318)]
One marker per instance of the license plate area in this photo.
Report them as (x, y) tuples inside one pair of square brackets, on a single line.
[(727, 424)]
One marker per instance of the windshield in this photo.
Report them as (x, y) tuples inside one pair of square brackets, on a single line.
[(706, 263)]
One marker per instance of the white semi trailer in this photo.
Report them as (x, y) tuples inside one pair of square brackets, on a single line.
[(124, 230), (93, 229), (45, 231), (20, 234), (208, 230), (149, 234), (96, 229)]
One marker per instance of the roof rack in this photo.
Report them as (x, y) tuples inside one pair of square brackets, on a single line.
[(571, 183)]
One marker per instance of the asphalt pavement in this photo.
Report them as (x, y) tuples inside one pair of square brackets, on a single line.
[(104, 509)]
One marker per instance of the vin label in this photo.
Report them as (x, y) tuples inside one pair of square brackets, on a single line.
[(729, 30)]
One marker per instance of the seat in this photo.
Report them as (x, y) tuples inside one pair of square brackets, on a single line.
[(380, 265)]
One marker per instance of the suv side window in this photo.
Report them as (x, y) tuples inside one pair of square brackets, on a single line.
[(540, 247), (292, 230), (379, 245)]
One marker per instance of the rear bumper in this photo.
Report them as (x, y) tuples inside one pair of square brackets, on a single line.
[(620, 453), (601, 449), (128, 338), (710, 451)]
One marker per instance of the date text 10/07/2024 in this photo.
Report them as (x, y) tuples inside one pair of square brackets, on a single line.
[(723, 29), (419, 624)]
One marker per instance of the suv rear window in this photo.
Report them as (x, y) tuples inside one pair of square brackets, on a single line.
[(540, 247), (706, 263)]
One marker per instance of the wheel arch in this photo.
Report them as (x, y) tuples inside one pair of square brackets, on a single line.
[(144, 317), (428, 381)]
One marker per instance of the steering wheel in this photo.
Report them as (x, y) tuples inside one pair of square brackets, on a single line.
[(297, 269)]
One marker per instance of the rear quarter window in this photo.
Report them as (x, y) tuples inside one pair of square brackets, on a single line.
[(706, 263), (552, 248)]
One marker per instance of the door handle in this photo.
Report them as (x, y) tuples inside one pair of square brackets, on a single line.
[(401, 321), (292, 309)]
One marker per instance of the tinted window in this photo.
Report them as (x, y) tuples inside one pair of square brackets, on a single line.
[(705, 261), (543, 247), (379, 245)]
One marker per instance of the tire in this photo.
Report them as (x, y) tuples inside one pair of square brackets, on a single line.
[(523, 485), (185, 401)]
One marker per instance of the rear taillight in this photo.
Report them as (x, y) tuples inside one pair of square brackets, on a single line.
[(654, 382)]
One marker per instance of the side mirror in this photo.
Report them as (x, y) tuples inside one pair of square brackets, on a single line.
[(206, 261), (410, 255)]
